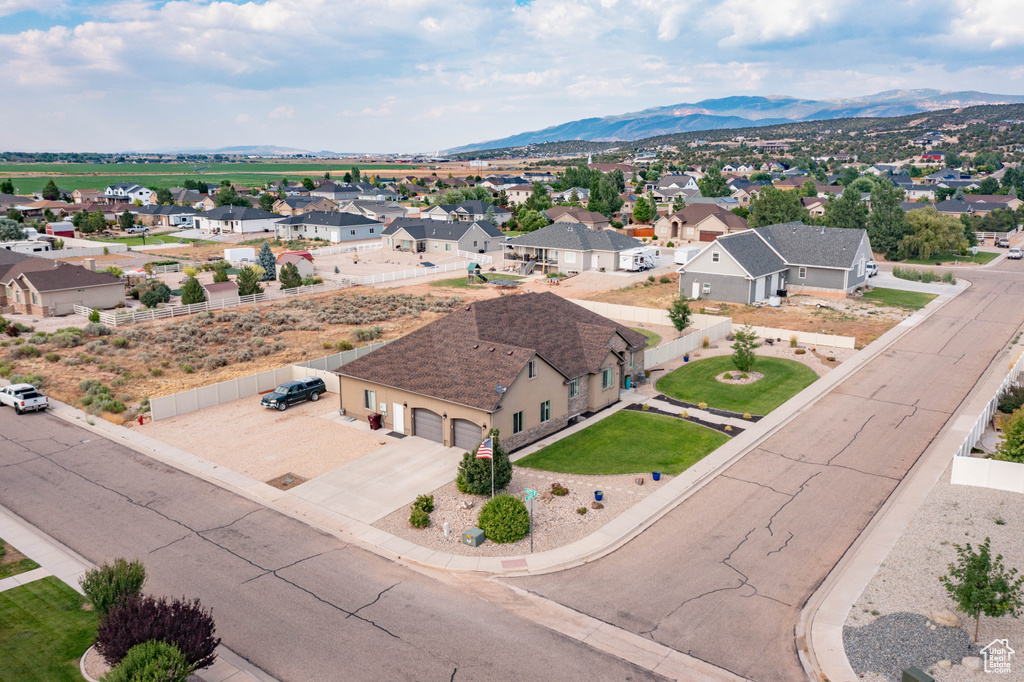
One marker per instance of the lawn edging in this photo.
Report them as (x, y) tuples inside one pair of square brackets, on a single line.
[(637, 407)]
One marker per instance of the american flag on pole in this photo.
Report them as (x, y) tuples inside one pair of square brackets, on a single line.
[(486, 449)]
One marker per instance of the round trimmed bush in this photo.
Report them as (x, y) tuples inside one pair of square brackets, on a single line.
[(152, 661), (419, 518), (505, 519)]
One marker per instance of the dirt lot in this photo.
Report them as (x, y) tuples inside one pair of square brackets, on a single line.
[(265, 444), (863, 320), (159, 358)]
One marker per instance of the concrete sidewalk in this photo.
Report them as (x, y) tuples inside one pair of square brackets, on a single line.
[(607, 539), (60, 561)]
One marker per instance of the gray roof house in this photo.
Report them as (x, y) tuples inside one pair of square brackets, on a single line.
[(442, 238), (469, 210), (569, 247), (745, 267), (329, 225)]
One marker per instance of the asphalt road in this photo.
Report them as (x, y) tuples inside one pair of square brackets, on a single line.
[(725, 575), (298, 603)]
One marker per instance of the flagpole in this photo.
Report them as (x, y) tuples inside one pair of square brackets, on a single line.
[(492, 475)]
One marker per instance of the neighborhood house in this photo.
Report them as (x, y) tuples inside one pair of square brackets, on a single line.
[(569, 247), (434, 236)]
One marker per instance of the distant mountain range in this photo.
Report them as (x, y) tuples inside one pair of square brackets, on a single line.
[(744, 112), (255, 150)]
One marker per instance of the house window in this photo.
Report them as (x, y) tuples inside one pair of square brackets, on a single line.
[(517, 423), (371, 230), (35, 298), (574, 387), (570, 257), (706, 288), (715, 257), (802, 273), (860, 267), (607, 375), (352, 232), (447, 247), (532, 371), (545, 411), (389, 241), (474, 244), (370, 399), (631, 360)]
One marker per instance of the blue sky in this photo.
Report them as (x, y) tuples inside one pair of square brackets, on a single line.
[(422, 75)]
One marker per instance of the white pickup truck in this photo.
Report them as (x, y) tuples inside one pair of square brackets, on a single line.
[(23, 398)]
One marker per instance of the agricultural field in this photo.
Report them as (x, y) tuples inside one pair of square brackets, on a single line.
[(112, 373)]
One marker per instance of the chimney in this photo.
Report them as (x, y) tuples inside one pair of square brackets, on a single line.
[(90, 264)]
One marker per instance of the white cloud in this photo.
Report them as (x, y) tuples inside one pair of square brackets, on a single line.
[(8, 7), (242, 118), (764, 22), (995, 23), (282, 112)]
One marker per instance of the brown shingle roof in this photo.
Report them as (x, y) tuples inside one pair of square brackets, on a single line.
[(464, 355), (694, 213), (48, 275), (221, 286)]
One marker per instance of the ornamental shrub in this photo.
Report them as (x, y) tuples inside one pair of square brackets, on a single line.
[(136, 619), (475, 474), (419, 518), (94, 315), (424, 502), (504, 519), (1011, 399), (109, 584), (152, 661)]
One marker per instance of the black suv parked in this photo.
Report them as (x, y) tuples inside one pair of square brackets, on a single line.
[(291, 392)]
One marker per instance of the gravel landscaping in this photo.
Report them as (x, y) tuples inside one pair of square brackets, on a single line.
[(555, 522), (884, 625)]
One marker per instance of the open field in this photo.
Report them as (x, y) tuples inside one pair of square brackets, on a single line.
[(311, 168), (45, 631), (695, 382), (628, 443), (915, 300)]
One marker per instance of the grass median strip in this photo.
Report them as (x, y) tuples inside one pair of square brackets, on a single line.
[(628, 443), (45, 631), (695, 382), (13, 562), (914, 300)]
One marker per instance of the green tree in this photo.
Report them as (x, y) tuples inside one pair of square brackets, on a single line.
[(51, 191), (289, 276), (308, 184), (11, 230), (266, 260), (642, 210), (988, 186), (887, 222), (96, 222), (227, 196), (126, 220), (7, 187), (849, 176), (220, 272), (929, 232), (743, 349), (355, 174), (981, 585), (771, 206), (809, 189), (15, 215), (713, 184), (248, 281), (110, 584), (679, 313), (192, 292), (267, 201), (474, 475), (678, 203), (1011, 447), (761, 176), (164, 197), (502, 199), (847, 211), (530, 221), (539, 200), (504, 519), (347, 178)]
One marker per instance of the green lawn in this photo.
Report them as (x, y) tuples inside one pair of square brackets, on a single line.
[(915, 300), (950, 257), (652, 338), (9, 568), (44, 632), (695, 382), (138, 241), (460, 282), (628, 442)]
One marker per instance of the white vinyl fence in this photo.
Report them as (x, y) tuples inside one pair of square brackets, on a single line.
[(988, 473), (332, 250), (993, 235), (632, 313), (481, 258), (685, 344), (368, 280), (168, 406), (803, 338)]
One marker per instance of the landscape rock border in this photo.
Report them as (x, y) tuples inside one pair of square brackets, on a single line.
[(712, 410), (751, 378)]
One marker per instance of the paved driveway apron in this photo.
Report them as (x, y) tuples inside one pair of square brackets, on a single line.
[(724, 576), (298, 603)]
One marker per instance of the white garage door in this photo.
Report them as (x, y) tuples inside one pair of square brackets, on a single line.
[(427, 424), (467, 434), (759, 289)]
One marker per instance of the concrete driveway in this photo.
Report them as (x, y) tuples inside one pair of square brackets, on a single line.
[(725, 575)]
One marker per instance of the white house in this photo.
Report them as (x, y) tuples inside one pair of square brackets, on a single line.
[(236, 219), (125, 192), (332, 226)]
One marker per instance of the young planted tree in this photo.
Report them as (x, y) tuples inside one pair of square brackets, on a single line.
[(289, 276), (981, 585), (679, 313), (192, 292), (641, 210), (474, 475), (266, 260), (743, 349), (220, 272), (248, 281)]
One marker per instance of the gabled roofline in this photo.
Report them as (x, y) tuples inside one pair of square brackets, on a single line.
[(734, 259)]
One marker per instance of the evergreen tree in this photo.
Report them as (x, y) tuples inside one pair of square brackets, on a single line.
[(475, 474), (15, 215), (192, 292), (887, 222), (267, 201), (713, 184), (308, 184), (164, 197), (355, 174), (771, 206), (126, 220), (539, 200), (265, 259), (531, 221), (248, 281), (7, 186), (847, 211), (11, 230), (50, 191), (641, 210), (220, 272), (289, 276)]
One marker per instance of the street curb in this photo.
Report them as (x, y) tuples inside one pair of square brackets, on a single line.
[(820, 627), (604, 541)]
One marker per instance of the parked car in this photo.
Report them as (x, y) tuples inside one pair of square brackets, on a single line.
[(872, 268), (24, 398), (291, 392), (1016, 253), (135, 229), (1003, 242)]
